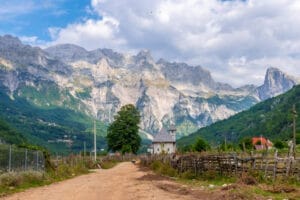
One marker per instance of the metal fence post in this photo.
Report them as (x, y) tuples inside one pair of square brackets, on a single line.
[(37, 160), (9, 159), (56, 159), (25, 160)]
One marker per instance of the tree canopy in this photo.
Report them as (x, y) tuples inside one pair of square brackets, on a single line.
[(201, 145), (123, 132)]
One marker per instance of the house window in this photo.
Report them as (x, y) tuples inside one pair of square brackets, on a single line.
[(168, 149), (157, 149)]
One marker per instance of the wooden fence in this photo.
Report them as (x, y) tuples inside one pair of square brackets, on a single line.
[(230, 164)]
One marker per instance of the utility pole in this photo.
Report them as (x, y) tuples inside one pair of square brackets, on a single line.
[(84, 149), (294, 130), (95, 143)]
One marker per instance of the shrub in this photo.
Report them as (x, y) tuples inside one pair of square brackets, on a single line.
[(168, 170), (248, 179), (210, 175), (32, 176), (279, 144), (163, 169), (248, 143), (11, 179), (201, 145), (298, 138), (188, 175), (155, 166), (227, 147)]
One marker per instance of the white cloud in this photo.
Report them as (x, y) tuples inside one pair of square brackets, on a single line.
[(91, 34), (235, 40), (33, 41)]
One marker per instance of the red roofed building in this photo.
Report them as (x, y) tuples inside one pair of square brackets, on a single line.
[(261, 143)]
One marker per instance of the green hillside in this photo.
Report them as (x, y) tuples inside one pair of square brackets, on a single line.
[(9, 135), (271, 118), (45, 125)]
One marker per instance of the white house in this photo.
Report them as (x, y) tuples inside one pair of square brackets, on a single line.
[(165, 141)]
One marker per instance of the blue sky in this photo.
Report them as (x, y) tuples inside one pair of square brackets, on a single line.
[(34, 17), (236, 40)]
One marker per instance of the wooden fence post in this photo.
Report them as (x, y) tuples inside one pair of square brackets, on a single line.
[(275, 165), (195, 166), (235, 163)]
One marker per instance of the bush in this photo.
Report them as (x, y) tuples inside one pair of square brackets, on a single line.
[(14, 179), (11, 179), (248, 143), (210, 175), (188, 175), (279, 144), (298, 138), (155, 166), (227, 147), (168, 170), (201, 145), (185, 148), (248, 179), (163, 169), (32, 176)]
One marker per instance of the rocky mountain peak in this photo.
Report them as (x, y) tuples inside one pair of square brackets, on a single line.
[(20, 55), (142, 61), (8, 41), (144, 54), (182, 73), (72, 48), (276, 82), (67, 52)]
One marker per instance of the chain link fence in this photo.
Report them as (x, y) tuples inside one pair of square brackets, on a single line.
[(19, 159)]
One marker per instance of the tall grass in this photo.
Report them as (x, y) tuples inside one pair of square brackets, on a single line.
[(17, 181)]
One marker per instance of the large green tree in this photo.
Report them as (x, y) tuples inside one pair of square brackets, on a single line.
[(123, 132)]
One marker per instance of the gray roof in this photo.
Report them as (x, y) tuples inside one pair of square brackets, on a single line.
[(163, 136)]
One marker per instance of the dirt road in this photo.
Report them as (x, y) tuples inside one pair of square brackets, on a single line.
[(123, 182)]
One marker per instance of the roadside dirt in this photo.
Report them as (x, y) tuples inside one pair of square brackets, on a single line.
[(123, 182)]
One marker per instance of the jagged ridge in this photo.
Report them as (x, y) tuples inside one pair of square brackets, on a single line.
[(99, 82)]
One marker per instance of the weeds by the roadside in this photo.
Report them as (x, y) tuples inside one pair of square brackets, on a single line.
[(246, 186), (57, 171), (108, 164), (18, 181)]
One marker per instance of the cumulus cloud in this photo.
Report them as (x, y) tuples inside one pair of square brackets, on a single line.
[(236, 40), (91, 34)]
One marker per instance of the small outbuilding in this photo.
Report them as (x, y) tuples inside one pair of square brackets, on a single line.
[(164, 141), (261, 143)]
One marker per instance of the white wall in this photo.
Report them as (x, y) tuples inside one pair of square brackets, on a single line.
[(164, 147)]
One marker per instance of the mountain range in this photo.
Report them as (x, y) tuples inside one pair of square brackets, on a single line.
[(97, 83), (272, 118)]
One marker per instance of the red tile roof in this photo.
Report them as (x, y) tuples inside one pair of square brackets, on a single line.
[(262, 140)]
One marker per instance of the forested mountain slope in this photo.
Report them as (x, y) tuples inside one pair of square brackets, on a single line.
[(271, 118)]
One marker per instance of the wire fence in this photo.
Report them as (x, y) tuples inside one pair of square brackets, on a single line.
[(20, 159)]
